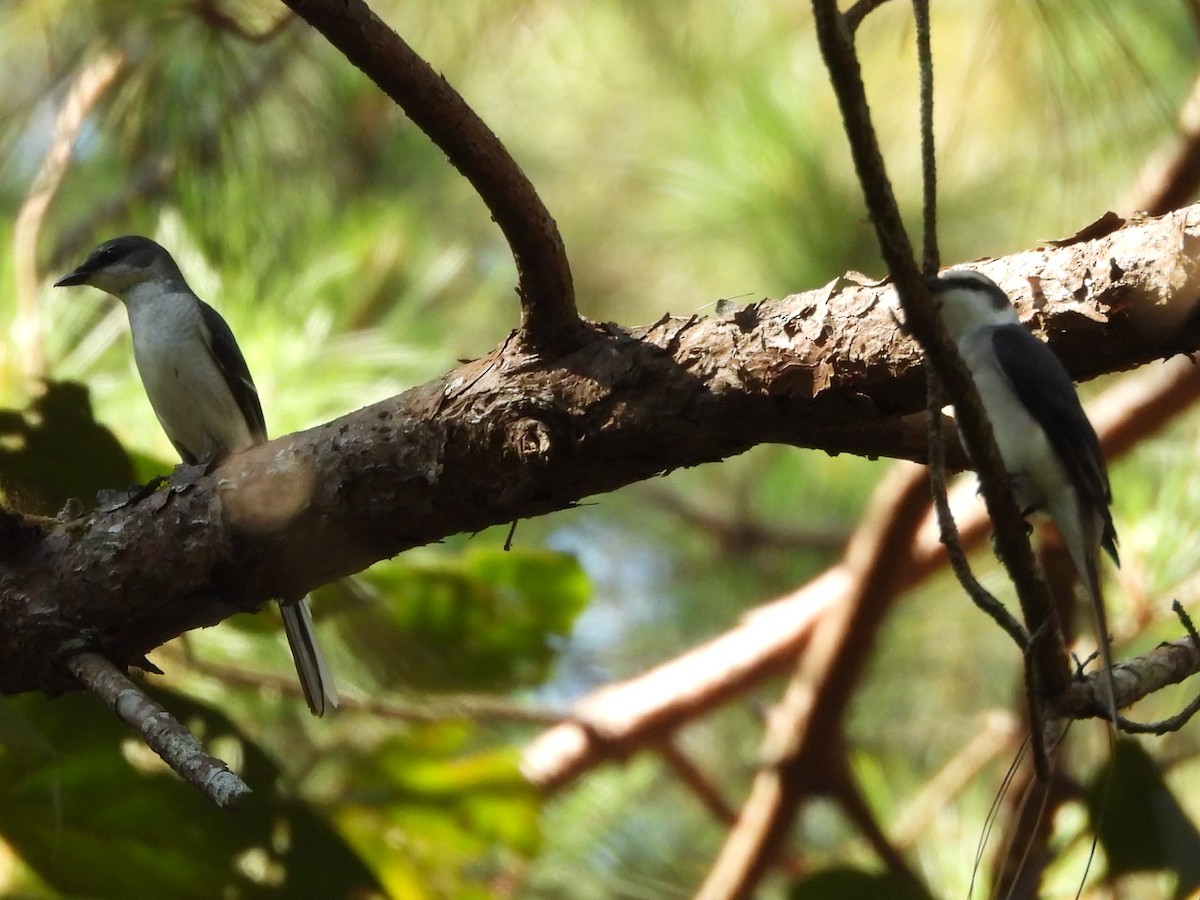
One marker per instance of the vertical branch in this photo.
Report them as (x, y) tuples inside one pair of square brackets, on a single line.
[(937, 457), (845, 75), (931, 257), (1012, 542)]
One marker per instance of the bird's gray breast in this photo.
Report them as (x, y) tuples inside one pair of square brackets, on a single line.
[(187, 390)]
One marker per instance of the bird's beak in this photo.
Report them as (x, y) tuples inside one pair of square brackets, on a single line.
[(79, 276)]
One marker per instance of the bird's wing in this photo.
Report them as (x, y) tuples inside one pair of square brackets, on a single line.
[(228, 356), (1041, 382)]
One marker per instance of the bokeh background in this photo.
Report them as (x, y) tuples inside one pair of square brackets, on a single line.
[(690, 152)]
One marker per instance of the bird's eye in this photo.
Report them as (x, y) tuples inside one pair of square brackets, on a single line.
[(105, 255)]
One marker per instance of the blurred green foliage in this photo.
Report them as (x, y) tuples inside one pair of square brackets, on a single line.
[(94, 813), (689, 152), (853, 884), (482, 620), (1130, 795)]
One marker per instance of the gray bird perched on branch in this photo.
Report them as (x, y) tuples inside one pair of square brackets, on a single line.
[(201, 391), (1045, 440)]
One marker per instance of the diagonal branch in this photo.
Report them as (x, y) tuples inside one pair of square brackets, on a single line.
[(803, 750), (549, 321), (85, 91), (162, 733), (617, 720), (1170, 177)]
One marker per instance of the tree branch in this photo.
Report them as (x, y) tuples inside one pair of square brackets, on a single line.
[(619, 719), (1011, 540), (85, 91), (803, 750), (549, 321), (511, 436), (859, 11), (177, 747), (1171, 176)]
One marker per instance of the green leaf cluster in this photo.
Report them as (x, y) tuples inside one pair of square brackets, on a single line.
[(91, 812), (481, 620)]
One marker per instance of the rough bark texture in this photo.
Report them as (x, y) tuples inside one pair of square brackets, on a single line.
[(510, 436)]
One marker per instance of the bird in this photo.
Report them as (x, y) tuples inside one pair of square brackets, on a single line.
[(200, 388), (1048, 446)]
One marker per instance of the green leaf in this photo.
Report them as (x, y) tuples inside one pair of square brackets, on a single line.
[(854, 884), (463, 814), (1140, 822), (486, 620), (101, 816)]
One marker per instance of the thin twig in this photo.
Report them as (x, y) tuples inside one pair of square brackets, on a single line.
[(1012, 540), (164, 735), (699, 783), (1175, 665), (1162, 726), (859, 11), (1188, 624), (931, 261), (949, 529)]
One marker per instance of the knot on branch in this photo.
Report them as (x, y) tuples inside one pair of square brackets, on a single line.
[(529, 439)]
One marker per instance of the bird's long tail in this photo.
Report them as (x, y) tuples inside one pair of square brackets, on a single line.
[(316, 679), (1092, 584)]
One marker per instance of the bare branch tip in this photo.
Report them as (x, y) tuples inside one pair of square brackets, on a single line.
[(161, 731)]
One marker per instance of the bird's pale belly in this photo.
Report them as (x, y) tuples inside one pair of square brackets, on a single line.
[(1036, 470), (193, 403)]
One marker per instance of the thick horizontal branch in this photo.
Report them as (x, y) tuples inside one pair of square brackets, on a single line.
[(510, 436), (621, 719)]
